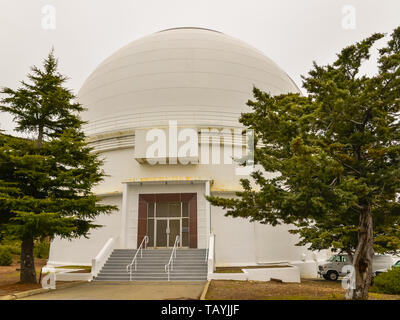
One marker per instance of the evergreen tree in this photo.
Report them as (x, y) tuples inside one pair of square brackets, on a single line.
[(335, 155), (46, 180)]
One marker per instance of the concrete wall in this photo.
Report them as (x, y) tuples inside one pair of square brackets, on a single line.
[(80, 251), (120, 166), (234, 239), (240, 242)]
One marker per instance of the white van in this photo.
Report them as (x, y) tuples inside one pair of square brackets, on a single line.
[(332, 269)]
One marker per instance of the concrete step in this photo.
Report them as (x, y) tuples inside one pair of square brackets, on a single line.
[(166, 256), (189, 265), (145, 263), (156, 267), (150, 274), (160, 276), (151, 261), (116, 251), (158, 255), (152, 279)]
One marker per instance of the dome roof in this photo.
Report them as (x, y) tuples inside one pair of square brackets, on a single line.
[(196, 76)]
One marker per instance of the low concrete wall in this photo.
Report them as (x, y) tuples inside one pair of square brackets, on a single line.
[(289, 274), (68, 276), (64, 274), (308, 269), (286, 274)]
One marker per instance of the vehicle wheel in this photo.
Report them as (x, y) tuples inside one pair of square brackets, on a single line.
[(332, 275), (325, 276)]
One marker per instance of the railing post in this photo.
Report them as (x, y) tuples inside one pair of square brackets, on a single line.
[(170, 265), (134, 261)]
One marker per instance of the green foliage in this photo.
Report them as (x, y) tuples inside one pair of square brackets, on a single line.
[(5, 257), (43, 107), (46, 182), (387, 282), (12, 246), (42, 249), (331, 156)]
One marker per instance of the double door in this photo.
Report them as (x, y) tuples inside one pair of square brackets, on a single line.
[(166, 230)]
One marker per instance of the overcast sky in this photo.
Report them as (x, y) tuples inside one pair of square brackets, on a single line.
[(293, 33)]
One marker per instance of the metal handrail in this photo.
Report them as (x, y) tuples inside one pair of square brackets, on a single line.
[(170, 265), (134, 260)]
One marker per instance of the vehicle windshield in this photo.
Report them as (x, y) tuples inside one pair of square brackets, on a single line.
[(332, 259)]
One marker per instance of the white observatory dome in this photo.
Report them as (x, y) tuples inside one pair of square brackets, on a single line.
[(196, 76)]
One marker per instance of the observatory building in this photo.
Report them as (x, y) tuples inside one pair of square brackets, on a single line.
[(163, 114)]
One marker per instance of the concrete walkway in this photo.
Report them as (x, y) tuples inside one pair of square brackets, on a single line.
[(125, 291)]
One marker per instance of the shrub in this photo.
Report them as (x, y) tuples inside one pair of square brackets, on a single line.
[(41, 249), (5, 257), (387, 282), (13, 247)]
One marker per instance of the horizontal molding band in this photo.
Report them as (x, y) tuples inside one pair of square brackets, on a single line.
[(126, 139), (153, 119)]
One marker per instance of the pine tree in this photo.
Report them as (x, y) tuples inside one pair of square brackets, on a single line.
[(46, 179), (336, 158)]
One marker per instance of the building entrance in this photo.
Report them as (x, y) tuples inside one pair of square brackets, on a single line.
[(163, 216), (165, 221)]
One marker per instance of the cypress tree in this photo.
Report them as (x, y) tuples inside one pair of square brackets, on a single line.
[(46, 178), (335, 159)]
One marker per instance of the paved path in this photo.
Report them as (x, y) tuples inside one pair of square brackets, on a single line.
[(125, 291)]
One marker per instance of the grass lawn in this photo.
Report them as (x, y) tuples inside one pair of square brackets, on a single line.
[(308, 289)]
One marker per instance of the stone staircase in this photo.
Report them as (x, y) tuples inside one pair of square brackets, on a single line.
[(189, 265)]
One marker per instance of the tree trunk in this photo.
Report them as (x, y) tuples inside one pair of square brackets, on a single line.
[(363, 256), (28, 272), (39, 141)]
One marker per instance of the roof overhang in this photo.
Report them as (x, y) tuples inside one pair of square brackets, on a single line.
[(167, 180)]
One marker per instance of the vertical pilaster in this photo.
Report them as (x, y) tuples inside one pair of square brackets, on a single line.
[(208, 210), (124, 214)]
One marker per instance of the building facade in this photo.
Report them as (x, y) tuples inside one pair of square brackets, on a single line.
[(163, 114)]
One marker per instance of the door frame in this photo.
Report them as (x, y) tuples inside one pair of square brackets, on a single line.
[(169, 245), (145, 199)]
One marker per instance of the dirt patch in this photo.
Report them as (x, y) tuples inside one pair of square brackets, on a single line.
[(308, 289), (228, 270), (239, 269), (9, 277), (7, 289), (82, 269)]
